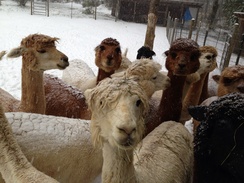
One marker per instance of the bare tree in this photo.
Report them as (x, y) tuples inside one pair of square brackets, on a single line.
[(151, 24)]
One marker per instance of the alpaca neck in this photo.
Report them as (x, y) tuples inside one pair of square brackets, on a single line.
[(11, 157), (195, 91), (192, 97), (117, 165), (171, 102), (204, 94), (33, 96), (102, 75)]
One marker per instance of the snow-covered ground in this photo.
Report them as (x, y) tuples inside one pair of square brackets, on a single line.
[(78, 35)]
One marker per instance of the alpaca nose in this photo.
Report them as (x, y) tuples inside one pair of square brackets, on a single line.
[(241, 88), (127, 130), (181, 65), (65, 60)]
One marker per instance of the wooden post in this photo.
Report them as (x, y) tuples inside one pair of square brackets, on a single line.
[(168, 25), (240, 50), (198, 30), (151, 24), (32, 7), (117, 10), (95, 11), (48, 8), (191, 28), (173, 34), (232, 45)]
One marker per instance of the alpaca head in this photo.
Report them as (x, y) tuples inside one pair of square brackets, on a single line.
[(108, 55), (231, 80), (118, 109), (147, 73), (183, 57), (40, 53), (219, 137), (207, 59), (145, 52)]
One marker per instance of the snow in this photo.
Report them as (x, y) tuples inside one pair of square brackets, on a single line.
[(78, 35)]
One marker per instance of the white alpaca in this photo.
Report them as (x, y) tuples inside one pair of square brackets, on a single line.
[(117, 126), (14, 166), (57, 146), (145, 70)]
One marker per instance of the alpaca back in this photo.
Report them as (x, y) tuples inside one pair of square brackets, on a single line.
[(64, 100), (168, 151), (9, 103), (60, 147)]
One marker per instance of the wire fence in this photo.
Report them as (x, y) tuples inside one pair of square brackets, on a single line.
[(229, 44)]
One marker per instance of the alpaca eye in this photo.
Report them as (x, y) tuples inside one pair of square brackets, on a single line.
[(208, 57), (102, 48), (138, 102), (41, 51), (101, 102), (154, 77), (227, 80), (173, 55), (118, 50)]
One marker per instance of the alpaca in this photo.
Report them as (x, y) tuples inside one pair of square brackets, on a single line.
[(230, 80), (182, 60), (117, 126), (143, 71), (78, 75), (207, 64), (64, 100), (14, 166), (75, 157), (2, 53), (108, 59), (60, 147), (219, 146), (145, 52), (38, 53)]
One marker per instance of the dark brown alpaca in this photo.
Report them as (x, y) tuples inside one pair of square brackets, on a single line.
[(182, 60)]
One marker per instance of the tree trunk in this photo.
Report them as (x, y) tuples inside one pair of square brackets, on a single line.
[(151, 24), (213, 14)]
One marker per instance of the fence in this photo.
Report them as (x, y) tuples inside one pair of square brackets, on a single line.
[(40, 7), (228, 44)]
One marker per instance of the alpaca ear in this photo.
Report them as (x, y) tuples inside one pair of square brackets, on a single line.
[(166, 52), (16, 52), (198, 112), (153, 53), (216, 78), (87, 95)]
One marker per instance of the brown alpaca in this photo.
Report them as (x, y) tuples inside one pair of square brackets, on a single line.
[(231, 80), (64, 100), (107, 58), (207, 64), (182, 60), (38, 53)]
